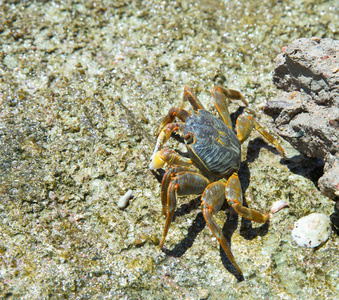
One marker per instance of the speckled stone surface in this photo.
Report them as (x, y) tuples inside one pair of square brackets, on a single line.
[(83, 86), (306, 113)]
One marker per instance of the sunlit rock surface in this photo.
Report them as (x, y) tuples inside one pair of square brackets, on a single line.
[(83, 87)]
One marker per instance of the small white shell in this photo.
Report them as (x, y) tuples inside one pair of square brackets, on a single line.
[(123, 201), (312, 230), (278, 205)]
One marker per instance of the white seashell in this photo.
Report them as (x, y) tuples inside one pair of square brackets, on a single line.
[(123, 201), (312, 230), (278, 205)]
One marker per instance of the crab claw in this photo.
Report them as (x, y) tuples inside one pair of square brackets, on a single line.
[(157, 162)]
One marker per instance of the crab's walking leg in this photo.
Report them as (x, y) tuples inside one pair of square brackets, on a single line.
[(174, 112), (221, 105), (184, 183), (192, 98), (220, 96), (245, 125), (180, 112), (170, 173), (234, 198), (212, 200), (232, 94)]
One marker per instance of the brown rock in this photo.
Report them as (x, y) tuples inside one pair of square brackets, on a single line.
[(306, 114)]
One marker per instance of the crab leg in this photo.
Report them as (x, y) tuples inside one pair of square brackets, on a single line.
[(192, 98), (221, 105), (245, 125), (167, 179), (178, 112), (234, 198), (184, 183), (232, 94), (212, 200), (219, 95)]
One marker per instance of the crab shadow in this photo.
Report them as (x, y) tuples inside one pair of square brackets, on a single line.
[(254, 146), (308, 167), (334, 217), (247, 231), (196, 227)]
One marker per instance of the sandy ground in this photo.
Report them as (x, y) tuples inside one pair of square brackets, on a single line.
[(83, 87)]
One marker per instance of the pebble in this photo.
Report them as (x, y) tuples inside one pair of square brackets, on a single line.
[(312, 230), (123, 201), (278, 206)]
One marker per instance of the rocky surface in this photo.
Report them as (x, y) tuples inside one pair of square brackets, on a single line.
[(306, 114), (83, 86)]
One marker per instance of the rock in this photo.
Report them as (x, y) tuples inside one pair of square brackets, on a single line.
[(328, 183), (124, 200), (312, 230), (306, 113)]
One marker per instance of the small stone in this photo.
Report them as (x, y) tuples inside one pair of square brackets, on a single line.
[(123, 201), (312, 230)]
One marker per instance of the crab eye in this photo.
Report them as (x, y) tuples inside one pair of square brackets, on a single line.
[(189, 138)]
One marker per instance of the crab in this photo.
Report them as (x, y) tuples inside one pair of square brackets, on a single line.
[(214, 152)]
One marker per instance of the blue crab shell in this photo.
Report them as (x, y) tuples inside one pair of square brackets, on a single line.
[(215, 148)]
